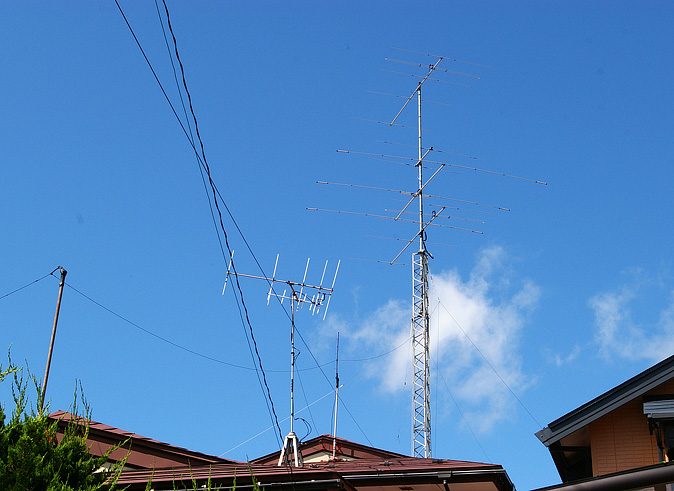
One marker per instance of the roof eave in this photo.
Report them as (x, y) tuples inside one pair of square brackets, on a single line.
[(607, 402)]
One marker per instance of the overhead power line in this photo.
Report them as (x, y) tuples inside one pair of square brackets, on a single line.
[(216, 194), (214, 201), (27, 285)]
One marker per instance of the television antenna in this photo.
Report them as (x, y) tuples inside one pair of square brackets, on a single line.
[(313, 296), (421, 408)]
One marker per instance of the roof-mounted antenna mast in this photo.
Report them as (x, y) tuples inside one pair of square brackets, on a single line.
[(319, 295)]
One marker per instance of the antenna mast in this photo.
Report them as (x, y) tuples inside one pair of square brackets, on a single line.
[(297, 300), (421, 395), (421, 401)]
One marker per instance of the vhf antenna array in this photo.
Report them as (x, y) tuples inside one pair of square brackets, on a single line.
[(314, 297), (421, 408)]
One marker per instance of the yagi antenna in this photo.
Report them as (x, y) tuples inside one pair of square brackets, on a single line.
[(383, 122), (419, 65), (320, 295), (434, 150), (317, 296), (405, 97), (426, 78), (410, 193), (404, 240), (448, 217), (384, 217), (415, 204), (443, 57), (443, 164)]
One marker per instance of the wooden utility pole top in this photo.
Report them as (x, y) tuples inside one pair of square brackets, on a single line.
[(53, 336)]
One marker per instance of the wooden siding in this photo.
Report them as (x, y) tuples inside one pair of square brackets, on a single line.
[(620, 440)]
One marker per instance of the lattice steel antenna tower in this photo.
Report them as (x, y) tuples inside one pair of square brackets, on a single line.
[(421, 396), (421, 400), (420, 325)]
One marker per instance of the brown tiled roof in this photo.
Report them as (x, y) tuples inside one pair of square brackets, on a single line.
[(356, 468), (141, 452), (406, 473), (344, 448)]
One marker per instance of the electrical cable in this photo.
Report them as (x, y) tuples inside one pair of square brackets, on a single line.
[(306, 401), (456, 404), (308, 427), (485, 359), (380, 355), (216, 195), (204, 163), (161, 338), (330, 383), (438, 373), (191, 141), (168, 341), (273, 426), (189, 136), (26, 285), (267, 400)]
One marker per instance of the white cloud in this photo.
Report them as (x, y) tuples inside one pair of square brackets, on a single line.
[(611, 314), (481, 318), (618, 334), (486, 313), (559, 360)]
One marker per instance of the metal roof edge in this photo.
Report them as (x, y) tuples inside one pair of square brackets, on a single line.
[(607, 402), (96, 428), (639, 478)]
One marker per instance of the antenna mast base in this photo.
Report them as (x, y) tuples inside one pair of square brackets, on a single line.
[(291, 445)]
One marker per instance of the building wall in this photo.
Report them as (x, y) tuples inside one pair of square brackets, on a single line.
[(620, 440)]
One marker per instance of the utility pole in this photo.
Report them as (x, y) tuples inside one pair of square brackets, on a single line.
[(53, 336)]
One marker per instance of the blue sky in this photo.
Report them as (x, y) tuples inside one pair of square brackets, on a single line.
[(565, 296)]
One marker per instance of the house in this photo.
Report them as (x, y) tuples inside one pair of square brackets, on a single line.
[(320, 449), (355, 467), (140, 452), (623, 439)]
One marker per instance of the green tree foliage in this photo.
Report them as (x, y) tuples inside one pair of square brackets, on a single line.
[(33, 458)]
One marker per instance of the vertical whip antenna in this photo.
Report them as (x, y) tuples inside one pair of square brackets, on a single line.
[(334, 430)]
